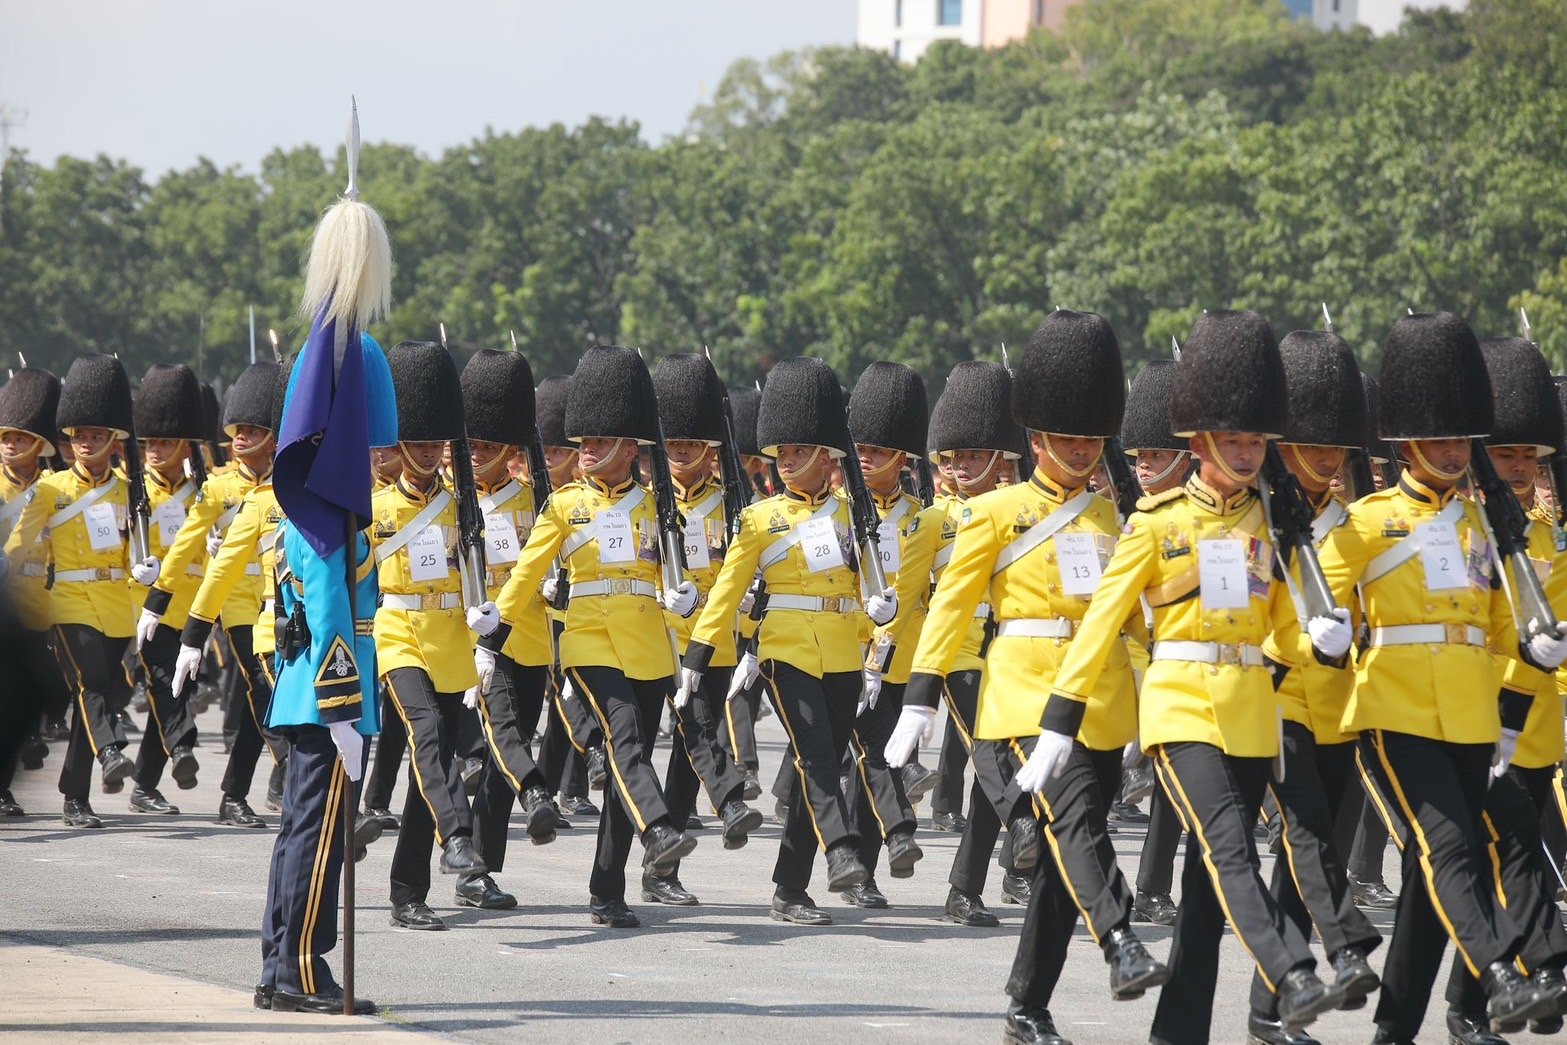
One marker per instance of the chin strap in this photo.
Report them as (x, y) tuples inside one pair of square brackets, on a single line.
[(1424, 462), (895, 461), (1169, 469), (990, 466), (810, 462), (410, 465), (603, 462), (1075, 473), (1224, 466), (1305, 466)]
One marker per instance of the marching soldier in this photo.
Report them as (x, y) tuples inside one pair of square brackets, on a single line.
[(80, 521), (615, 649), (497, 395), (1317, 788), (422, 633), (691, 410), (386, 465), (808, 643), (169, 420), (740, 711)]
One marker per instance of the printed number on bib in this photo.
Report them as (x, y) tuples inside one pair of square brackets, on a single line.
[(1077, 557), (819, 542), (427, 555), (695, 539), (1221, 573), (891, 548), (1442, 556), (168, 519), (616, 541), (500, 538), (103, 530)]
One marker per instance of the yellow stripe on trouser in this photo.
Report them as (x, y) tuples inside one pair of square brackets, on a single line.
[(1425, 851), (609, 750), (1046, 824), (729, 720), (957, 720), (559, 698), (865, 781), (1561, 795), (1496, 874), (318, 869), (152, 706), (81, 693), (413, 758), (495, 749), (1374, 793), (799, 769), (1194, 825)]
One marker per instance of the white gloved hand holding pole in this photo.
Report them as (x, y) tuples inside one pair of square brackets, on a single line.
[(1331, 636), (350, 748), (882, 607)]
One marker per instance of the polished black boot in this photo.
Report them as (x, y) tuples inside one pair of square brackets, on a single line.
[(612, 913), (416, 915), (459, 857), (739, 821), (151, 800), (183, 766), (967, 909), (667, 890), (798, 908), (1132, 969), (1471, 1028), (1156, 908), (481, 891), (1513, 998), (79, 814), (664, 847), (1263, 1031), (1016, 889), (1550, 982), (541, 814), (903, 852), (1023, 832), (844, 868), (598, 768), (1029, 1025), (1303, 997), (866, 896), (236, 812)]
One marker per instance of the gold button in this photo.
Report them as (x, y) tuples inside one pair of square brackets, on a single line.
[(1430, 608), (1207, 623)]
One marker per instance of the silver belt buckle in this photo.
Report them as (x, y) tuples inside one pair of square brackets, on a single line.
[(103, 573), (1228, 653), (1455, 634)]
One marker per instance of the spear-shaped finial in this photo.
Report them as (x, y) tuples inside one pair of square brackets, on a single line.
[(1523, 324), (1327, 318), (22, 358), (1005, 362), (443, 337), (352, 192), (277, 353), (1175, 349), (514, 341)]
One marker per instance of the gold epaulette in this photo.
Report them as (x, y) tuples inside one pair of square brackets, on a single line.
[(1152, 501)]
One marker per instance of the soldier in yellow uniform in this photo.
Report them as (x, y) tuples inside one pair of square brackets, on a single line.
[(691, 410), (27, 407), (738, 734), (497, 394), (422, 632), (615, 649), (386, 465), (248, 419), (1202, 558), (1317, 789), (168, 418), (809, 640), (79, 518), (1527, 424)]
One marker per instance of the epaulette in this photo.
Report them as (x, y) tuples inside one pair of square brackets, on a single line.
[(1152, 501)]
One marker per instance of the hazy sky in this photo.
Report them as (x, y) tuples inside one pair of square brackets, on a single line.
[(160, 82)]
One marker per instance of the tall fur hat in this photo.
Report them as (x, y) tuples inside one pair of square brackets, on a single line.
[(744, 403), (1147, 422), (211, 414), (28, 403), (1434, 381), (549, 400), (96, 393), (1230, 378), (497, 395), (1377, 448), (1327, 404), (612, 397), (251, 398), (802, 403), (168, 404), (975, 411), (1069, 379), (889, 408), (1523, 399), (429, 392), (690, 398)]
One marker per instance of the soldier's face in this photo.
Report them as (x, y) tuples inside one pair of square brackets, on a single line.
[(974, 470), (88, 443), (689, 458), (1229, 460), (1157, 472), (880, 465), (1439, 462), (488, 459), (251, 439), (424, 457), (805, 468), (19, 448), (1313, 466), (561, 461), (608, 457), (1517, 465), (165, 454), (1066, 459)]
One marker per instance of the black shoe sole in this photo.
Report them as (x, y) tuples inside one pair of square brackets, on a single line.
[(779, 916), (1139, 985), (751, 792), (648, 896), (541, 825), (115, 775), (171, 811), (285, 1003), (462, 901), (184, 771), (671, 856), (902, 865), (866, 905), (85, 825), (1330, 1000), (399, 924), (1357, 988), (926, 785), (737, 834), (608, 923), (970, 923)]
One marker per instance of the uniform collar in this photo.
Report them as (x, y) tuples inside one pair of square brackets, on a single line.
[(696, 492), (489, 488), (811, 499), (156, 478), (619, 490), (1210, 499), (416, 496), (1320, 504), (81, 473), (888, 502), (1047, 486), (1420, 493), (14, 479)]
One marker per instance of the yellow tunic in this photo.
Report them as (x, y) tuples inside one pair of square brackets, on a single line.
[(1540, 743), (168, 506), (707, 535), (917, 532), (511, 504), (214, 508), (1021, 671), (435, 640), (249, 542), (28, 578), (1442, 691), (100, 602), (951, 509)]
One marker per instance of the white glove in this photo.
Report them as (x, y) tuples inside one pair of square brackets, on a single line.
[(870, 691), (146, 627), (146, 571), (1331, 636), (484, 663), (484, 618), (470, 698), (1547, 650), (1046, 763), (186, 665), (748, 600), (214, 542), (882, 607), (1131, 755), (350, 748), (682, 600), (690, 682), (744, 676), (1505, 749), (549, 589), (915, 723)]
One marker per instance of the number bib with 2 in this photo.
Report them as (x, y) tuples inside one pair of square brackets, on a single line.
[(1442, 556)]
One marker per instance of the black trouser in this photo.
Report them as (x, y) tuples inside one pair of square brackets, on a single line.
[(627, 711), (818, 715), (435, 810), (876, 790), (695, 757), (390, 746), (1156, 865), (91, 662), (562, 765), (992, 775), (507, 711), (1437, 792), (1369, 848), (739, 733), (1514, 808), (471, 742), (33, 676), (299, 926), (1320, 790), (1081, 879), (255, 700), (947, 795), (172, 723), (1218, 797)]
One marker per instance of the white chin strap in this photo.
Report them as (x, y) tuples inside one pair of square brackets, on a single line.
[(1178, 461), (990, 466), (1075, 473), (1224, 466), (603, 462), (810, 462)]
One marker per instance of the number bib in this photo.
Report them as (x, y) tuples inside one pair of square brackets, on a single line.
[(103, 529), (819, 542), (427, 555), (1221, 574), (616, 541), (891, 547), (500, 538), (169, 517), (1077, 559), (697, 557), (1442, 556)]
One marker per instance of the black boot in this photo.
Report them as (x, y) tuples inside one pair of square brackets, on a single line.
[(866, 895), (1471, 1028), (844, 868), (1354, 976), (416, 915), (1303, 997), (1023, 832), (967, 909), (481, 891), (116, 767), (1514, 999), (1132, 969), (612, 913), (664, 847), (1030, 1025), (1156, 908), (1016, 889), (667, 890), (151, 800), (598, 768), (903, 852), (797, 907), (739, 821), (79, 814), (183, 766), (1549, 981), (236, 812), (8, 805), (1263, 1031), (459, 857), (542, 818)]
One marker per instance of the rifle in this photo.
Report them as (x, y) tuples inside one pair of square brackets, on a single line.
[(1127, 489), (1290, 514), (1357, 474), (867, 523), (140, 509), (543, 490), (924, 481), (1508, 524), (470, 520), (671, 524)]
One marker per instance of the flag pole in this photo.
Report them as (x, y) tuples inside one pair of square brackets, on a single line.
[(252, 334)]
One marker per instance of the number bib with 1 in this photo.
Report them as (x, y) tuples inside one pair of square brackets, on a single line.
[(1221, 574)]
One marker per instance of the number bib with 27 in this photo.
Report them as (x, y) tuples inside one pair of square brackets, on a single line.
[(615, 540)]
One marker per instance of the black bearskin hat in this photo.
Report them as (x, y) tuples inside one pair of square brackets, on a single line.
[(168, 404), (252, 398), (744, 403), (28, 403), (889, 408), (497, 394), (1230, 378), (975, 411), (802, 403), (1523, 399), (1147, 422), (1377, 448), (1069, 379), (1434, 381), (549, 400), (690, 398), (429, 392), (96, 393), (1327, 402), (611, 396), (211, 414)]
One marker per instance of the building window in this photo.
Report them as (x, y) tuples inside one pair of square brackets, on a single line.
[(897, 13), (949, 12)]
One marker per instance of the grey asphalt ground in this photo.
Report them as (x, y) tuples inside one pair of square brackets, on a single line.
[(180, 899)]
